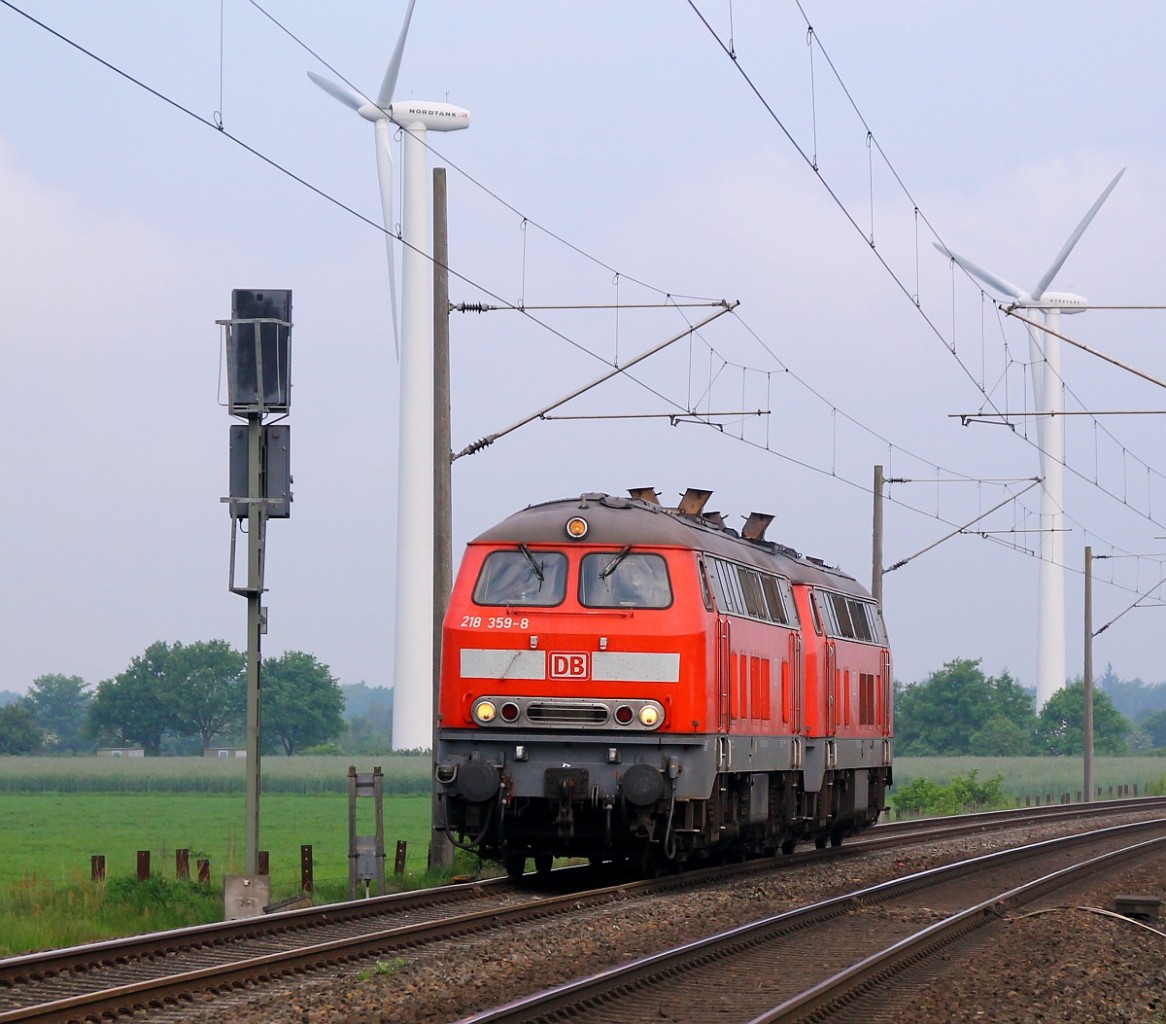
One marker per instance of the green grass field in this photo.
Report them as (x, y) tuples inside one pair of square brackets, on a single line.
[(1030, 777), (55, 813), (53, 835)]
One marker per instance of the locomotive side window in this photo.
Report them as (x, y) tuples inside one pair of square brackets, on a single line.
[(816, 611), (861, 621), (841, 610), (522, 577), (624, 579), (773, 599), (742, 590), (704, 585), (728, 587), (851, 618), (754, 598)]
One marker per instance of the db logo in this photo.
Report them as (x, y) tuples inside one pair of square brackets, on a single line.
[(569, 666)]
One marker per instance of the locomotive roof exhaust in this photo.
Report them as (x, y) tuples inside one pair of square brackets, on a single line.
[(648, 494), (756, 525), (693, 501)]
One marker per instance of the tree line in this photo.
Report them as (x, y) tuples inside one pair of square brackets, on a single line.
[(178, 698), (960, 710), (181, 698)]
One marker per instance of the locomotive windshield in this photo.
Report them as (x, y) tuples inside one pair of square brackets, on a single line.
[(522, 577), (624, 579)]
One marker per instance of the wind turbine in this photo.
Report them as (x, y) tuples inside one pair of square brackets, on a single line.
[(1048, 399), (413, 651)]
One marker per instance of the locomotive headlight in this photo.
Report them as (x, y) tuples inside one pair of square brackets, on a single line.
[(576, 528), (649, 716), (484, 711)]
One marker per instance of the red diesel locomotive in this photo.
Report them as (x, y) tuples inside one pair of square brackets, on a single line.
[(625, 681)]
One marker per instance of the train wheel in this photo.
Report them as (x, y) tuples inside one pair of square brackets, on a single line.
[(651, 865), (787, 846), (835, 838), (515, 864), (820, 842), (543, 862)]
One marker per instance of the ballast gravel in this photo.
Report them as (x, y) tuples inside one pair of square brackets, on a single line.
[(1067, 965)]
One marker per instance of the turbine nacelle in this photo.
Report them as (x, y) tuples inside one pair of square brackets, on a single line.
[(433, 115), (436, 117), (1040, 297), (1065, 302)]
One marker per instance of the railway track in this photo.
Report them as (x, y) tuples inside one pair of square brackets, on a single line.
[(811, 963), (168, 969)]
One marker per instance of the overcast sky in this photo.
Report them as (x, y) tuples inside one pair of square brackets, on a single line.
[(616, 153)]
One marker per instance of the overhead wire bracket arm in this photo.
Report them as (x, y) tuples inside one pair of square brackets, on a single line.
[(996, 417), (481, 307), (693, 414), (489, 439), (1130, 608), (961, 529), (1085, 348)]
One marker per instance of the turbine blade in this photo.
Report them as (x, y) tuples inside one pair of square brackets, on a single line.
[(385, 97), (991, 280), (1063, 255), (385, 177), (349, 97)]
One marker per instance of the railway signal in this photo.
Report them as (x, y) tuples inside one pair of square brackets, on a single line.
[(258, 369)]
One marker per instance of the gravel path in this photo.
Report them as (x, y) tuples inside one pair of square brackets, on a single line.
[(1068, 965)]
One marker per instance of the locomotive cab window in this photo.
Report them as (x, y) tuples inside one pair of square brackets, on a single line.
[(624, 579), (522, 577)]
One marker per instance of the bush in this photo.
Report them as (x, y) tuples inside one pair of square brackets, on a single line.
[(963, 795)]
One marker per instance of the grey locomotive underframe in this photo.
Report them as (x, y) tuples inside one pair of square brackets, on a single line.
[(673, 797)]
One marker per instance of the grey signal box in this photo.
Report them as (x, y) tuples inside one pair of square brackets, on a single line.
[(277, 479)]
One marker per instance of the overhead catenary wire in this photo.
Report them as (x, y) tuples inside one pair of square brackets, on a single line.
[(348, 209), (960, 529), (813, 39), (491, 438), (380, 228)]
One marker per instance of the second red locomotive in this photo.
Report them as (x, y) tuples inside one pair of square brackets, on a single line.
[(626, 681)]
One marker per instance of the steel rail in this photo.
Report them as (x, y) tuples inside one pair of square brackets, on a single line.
[(202, 941), (668, 964), (47, 962), (844, 987)]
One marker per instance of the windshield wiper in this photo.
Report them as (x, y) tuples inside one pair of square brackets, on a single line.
[(611, 566), (533, 564)]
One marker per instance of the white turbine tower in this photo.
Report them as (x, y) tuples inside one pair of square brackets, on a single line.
[(413, 651), (1048, 400)]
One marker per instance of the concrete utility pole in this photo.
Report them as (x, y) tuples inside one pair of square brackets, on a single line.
[(876, 572), (440, 848), (1088, 675)]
